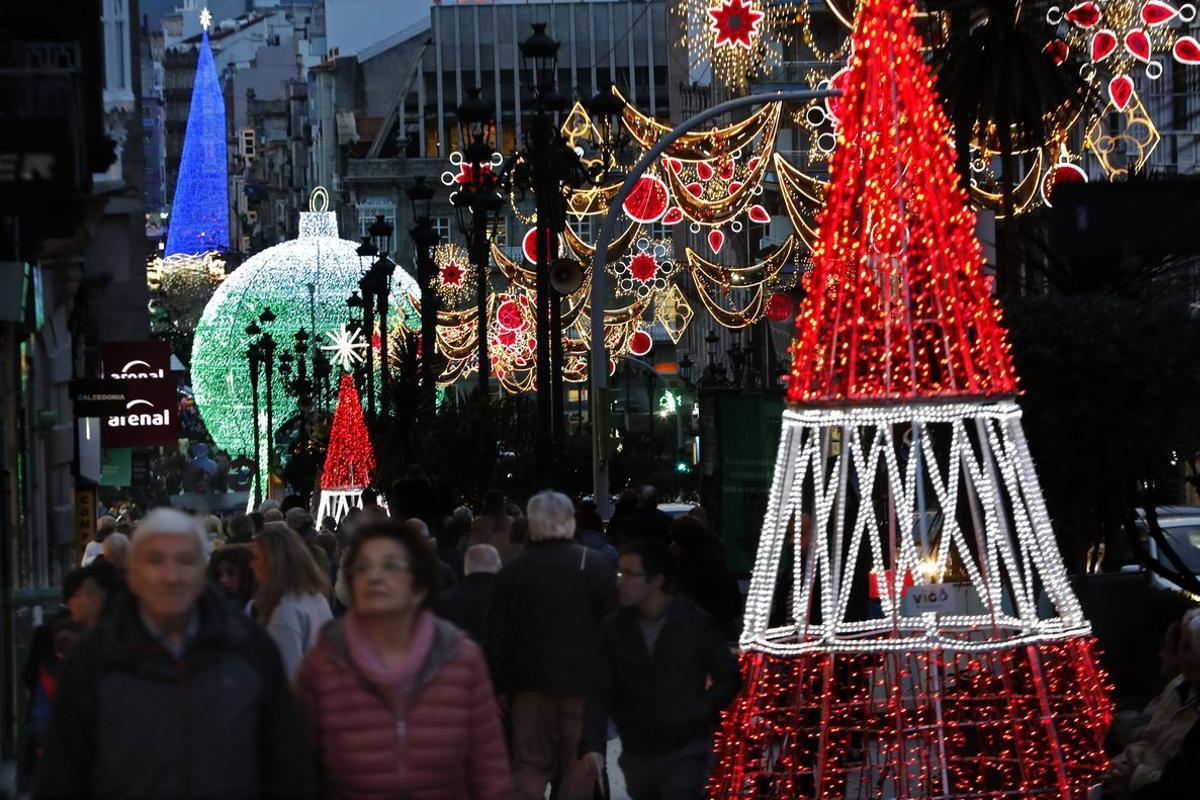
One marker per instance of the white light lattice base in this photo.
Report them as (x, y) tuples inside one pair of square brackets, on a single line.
[(337, 503), (852, 494)]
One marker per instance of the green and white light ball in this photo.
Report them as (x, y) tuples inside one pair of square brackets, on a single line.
[(305, 283)]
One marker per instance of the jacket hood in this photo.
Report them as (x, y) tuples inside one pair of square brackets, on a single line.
[(446, 639)]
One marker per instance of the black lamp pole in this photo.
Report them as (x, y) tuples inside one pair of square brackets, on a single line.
[(368, 250), (381, 232), (268, 359), (477, 205), (254, 357), (545, 174), (426, 237)]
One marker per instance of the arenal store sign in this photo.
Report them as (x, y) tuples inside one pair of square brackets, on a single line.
[(151, 414)]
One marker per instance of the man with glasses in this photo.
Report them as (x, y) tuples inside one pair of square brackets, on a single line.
[(663, 672)]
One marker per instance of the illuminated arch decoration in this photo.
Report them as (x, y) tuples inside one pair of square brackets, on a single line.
[(1123, 42), (714, 280), (903, 468), (305, 283)]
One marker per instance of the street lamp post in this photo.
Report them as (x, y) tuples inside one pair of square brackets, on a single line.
[(261, 355), (381, 232), (477, 204), (268, 359), (545, 165), (425, 237), (368, 250), (254, 359), (543, 174)]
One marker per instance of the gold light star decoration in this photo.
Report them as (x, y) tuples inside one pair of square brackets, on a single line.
[(205, 18), (735, 39)]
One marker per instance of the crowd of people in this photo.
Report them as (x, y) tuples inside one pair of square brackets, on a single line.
[(489, 653)]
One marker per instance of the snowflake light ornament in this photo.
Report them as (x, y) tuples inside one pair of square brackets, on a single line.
[(646, 269), (347, 347)]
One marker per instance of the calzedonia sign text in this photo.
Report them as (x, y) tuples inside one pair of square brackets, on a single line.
[(150, 416)]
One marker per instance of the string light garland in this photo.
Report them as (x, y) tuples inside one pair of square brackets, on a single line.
[(1119, 40), (711, 279), (902, 459), (305, 283)]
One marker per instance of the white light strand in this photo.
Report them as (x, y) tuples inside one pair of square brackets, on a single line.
[(1001, 472)]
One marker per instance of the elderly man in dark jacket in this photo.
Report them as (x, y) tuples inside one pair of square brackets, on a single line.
[(541, 633), (174, 694), (663, 672)]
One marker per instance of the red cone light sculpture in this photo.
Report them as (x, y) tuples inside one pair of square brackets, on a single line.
[(910, 631), (350, 459)]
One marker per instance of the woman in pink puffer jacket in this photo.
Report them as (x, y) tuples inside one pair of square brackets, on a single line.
[(397, 703)]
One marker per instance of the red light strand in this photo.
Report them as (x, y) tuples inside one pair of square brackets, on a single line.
[(900, 307), (350, 459)]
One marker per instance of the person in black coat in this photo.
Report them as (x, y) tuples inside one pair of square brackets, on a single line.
[(645, 523), (663, 672), (541, 633), (466, 603), (174, 693), (703, 576)]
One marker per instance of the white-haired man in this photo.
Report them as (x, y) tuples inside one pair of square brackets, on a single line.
[(541, 633), (175, 693), (116, 550), (466, 603)]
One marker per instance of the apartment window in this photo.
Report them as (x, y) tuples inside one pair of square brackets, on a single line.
[(500, 237), (371, 208), (581, 227), (442, 226), (115, 20), (660, 231)]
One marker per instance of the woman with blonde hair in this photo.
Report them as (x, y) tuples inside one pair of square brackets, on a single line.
[(290, 602)]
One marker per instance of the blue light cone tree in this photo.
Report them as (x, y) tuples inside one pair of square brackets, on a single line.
[(200, 209)]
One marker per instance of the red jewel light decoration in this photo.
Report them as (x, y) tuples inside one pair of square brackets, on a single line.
[(735, 22), (903, 412)]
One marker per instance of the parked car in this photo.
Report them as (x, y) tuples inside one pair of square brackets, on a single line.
[(1181, 527), (676, 509)]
